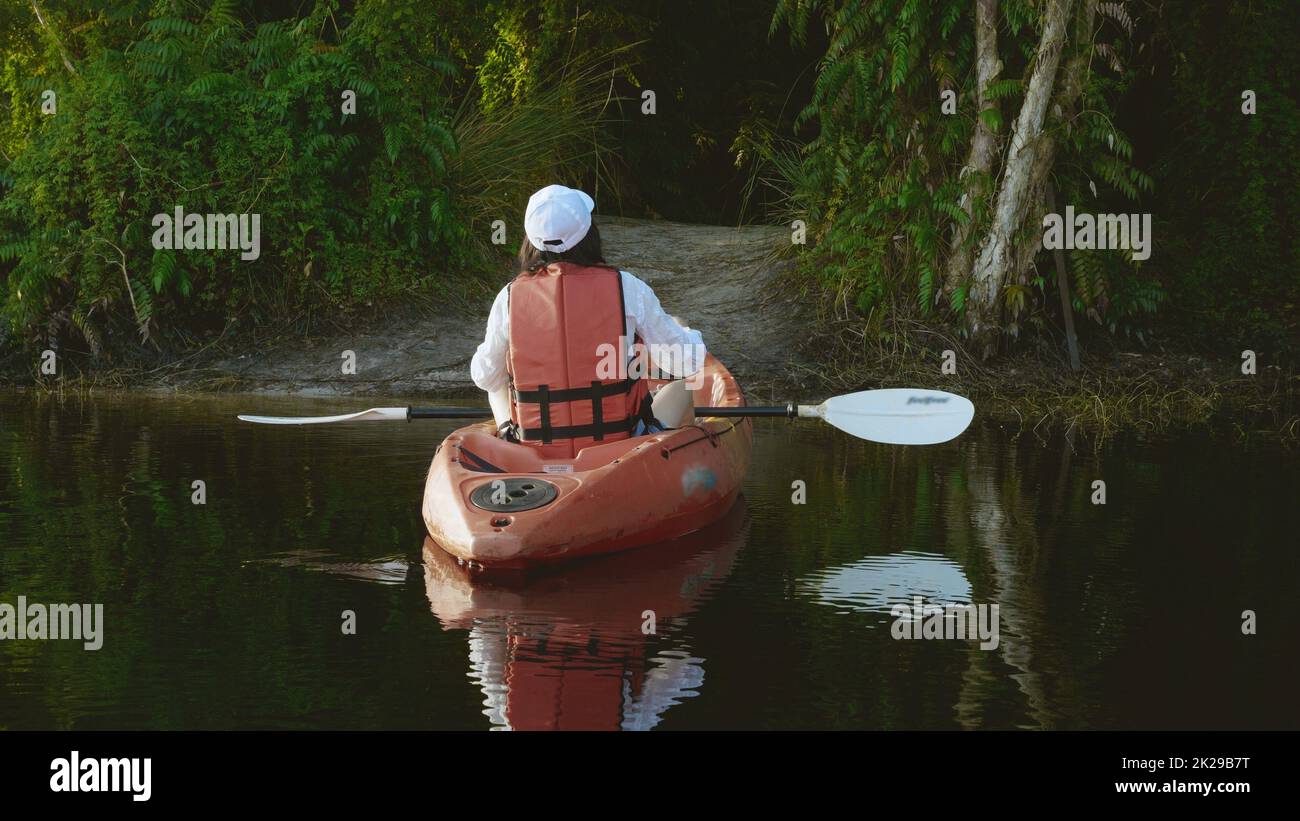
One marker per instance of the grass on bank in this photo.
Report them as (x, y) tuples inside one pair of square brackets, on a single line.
[(1155, 390)]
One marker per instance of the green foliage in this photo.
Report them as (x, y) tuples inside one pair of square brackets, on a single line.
[(214, 110), (1112, 290), (876, 182), (1096, 174), (880, 181)]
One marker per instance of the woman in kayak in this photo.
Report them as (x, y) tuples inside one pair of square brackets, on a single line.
[(560, 359)]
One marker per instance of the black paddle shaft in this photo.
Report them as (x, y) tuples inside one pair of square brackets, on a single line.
[(473, 413), (751, 410), (447, 413)]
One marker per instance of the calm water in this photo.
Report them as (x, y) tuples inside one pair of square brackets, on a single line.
[(228, 614)]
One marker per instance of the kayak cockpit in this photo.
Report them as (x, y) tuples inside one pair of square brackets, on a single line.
[(481, 450)]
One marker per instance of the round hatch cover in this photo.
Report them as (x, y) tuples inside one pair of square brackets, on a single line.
[(511, 495)]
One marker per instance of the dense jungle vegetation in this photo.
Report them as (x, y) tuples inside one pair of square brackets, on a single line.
[(919, 141)]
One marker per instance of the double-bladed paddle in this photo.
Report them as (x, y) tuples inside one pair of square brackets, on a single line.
[(892, 416)]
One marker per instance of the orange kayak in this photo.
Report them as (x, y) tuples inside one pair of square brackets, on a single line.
[(497, 504)]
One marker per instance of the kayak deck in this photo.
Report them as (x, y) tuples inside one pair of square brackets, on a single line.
[(609, 497)]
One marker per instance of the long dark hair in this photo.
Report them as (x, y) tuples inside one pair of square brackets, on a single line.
[(586, 253)]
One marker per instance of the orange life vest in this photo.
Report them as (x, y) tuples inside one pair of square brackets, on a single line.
[(562, 319)]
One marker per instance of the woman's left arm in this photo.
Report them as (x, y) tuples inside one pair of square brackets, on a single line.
[(488, 367), (674, 350)]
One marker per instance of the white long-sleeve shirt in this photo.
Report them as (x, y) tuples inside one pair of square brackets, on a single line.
[(673, 349)]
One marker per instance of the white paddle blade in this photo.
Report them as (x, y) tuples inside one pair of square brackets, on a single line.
[(899, 416), (372, 415)]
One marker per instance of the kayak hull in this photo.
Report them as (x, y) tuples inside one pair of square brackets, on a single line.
[(610, 497)]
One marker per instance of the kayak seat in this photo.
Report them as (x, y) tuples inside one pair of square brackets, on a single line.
[(481, 450), (712, 392), (472, 461)]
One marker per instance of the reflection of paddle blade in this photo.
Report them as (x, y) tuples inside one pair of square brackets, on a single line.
[(384, 571), (875, 584)]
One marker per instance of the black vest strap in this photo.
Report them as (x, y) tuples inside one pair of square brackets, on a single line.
[(597, 410), (577, 431), (544, 399), (597, 390)]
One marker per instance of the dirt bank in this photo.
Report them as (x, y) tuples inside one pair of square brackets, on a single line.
[(722, 281), (714, 277)]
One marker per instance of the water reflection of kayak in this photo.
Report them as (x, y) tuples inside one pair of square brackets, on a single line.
[(876, 583), (567, 650)]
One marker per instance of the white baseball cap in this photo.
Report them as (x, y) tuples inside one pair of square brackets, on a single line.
[(557, 218)]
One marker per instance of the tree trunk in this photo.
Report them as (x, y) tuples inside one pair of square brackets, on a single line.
[(984, 144), (1067, 95), (996, 255), (63, 52), (1063, 288)]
